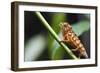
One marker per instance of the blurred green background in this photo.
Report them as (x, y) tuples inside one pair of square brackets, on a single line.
[(39, 43)]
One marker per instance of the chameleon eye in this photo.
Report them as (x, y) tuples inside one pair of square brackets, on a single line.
[(65, 26)]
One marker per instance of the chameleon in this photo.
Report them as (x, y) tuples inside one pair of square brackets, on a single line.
[(72, 39)]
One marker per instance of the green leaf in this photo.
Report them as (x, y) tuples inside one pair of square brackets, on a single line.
[(57, 53), (56, 19), (81, 27)]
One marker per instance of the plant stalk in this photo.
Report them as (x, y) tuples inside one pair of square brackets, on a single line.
[(45, 23)]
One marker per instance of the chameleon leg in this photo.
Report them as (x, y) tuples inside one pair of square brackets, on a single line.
[(74, 49), (64, 41)]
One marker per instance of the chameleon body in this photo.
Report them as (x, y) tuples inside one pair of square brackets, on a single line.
[(72, 39)]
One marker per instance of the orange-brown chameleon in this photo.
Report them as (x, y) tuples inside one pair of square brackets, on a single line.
[(72, 39)]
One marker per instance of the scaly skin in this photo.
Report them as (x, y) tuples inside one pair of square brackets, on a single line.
[(71, 38)]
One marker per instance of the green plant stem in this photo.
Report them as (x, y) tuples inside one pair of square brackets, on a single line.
[(45, 23)]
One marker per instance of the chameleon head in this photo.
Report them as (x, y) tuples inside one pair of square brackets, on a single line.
[(65, 27)]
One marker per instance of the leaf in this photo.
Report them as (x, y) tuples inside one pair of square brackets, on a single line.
[(81, 27), (34, 47), (57, 53), (56, 19)]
